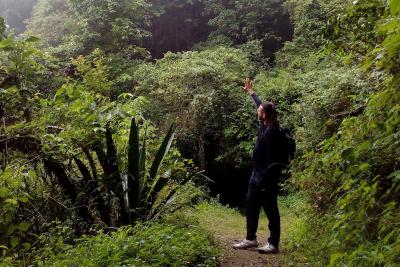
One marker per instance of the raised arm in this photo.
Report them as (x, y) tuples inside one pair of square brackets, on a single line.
[(248, 87)]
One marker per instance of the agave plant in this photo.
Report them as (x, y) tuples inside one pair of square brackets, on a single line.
[(135, 187), (142, 187), (138, 186)]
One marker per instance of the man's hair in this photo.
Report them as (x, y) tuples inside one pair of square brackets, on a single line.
[(270, 109)]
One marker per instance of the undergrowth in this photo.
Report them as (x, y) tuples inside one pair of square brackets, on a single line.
[(182, 243)]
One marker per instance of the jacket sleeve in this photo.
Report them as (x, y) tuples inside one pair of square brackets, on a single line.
[(257, 101)]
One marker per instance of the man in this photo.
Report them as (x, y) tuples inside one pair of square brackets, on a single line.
[(269, 155)]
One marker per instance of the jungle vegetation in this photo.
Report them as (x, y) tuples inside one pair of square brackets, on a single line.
[(117, 114)]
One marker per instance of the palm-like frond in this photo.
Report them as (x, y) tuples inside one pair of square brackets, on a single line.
[(157, 181), (91, 186), (114, 177), (168, 200), (162, 151), (134, 179)]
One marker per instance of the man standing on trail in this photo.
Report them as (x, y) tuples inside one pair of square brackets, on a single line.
[(269, 155)]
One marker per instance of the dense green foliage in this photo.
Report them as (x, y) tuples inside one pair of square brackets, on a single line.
[(78, 27), (12, 198), (201, 89), (239, 22), (155, 245), (78, 134), (70, 147), (75, 27), (352, 175)]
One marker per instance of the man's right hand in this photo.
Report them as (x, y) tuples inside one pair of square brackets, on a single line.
[(248, 86)]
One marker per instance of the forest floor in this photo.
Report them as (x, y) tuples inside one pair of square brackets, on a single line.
[(228, 226)]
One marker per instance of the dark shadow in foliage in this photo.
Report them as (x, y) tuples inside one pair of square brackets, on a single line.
[(178, 26)]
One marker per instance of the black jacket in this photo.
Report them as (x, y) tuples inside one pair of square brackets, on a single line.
[(269, 150)]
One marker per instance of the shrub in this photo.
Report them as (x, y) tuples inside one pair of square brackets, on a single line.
[(353, 177), (143, 245), (13, 197)]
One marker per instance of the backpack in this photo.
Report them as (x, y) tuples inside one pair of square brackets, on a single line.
[(290, 144)]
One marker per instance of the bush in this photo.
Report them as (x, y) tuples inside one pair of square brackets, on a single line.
[(353, 177), (202, 90), (144, 245), (14, 234)]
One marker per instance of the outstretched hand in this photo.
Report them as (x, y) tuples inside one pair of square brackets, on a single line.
[(248, 86)]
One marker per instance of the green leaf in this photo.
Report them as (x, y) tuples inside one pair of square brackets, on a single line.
[(27, 245), (5, 43), (3, 192), (134, 182), (133, 151), (32, 174), (125, 95), (394, 7), (174, 190), (159, 182), (32, 39), (24, 226), (162, 151), (142, 163), (348, 154), (335, 257), (24, 199), (14, 241), (11, 201), (28, 53), (156, 187), (364, 167)]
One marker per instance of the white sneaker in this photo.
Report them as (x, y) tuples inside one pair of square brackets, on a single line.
[(268, 249), (246, 244)]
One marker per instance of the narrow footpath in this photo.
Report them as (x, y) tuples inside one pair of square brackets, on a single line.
[(228, 227)]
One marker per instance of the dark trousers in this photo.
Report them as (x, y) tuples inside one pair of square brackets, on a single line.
[(263, 192)]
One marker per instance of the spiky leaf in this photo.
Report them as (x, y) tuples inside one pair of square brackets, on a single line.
[(83, 169), (133, 151), (162, 152)]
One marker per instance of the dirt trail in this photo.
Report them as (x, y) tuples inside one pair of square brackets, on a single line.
[(238, 258), (228, 227)]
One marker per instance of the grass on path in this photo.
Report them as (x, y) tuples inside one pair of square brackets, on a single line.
[(229, 226)]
